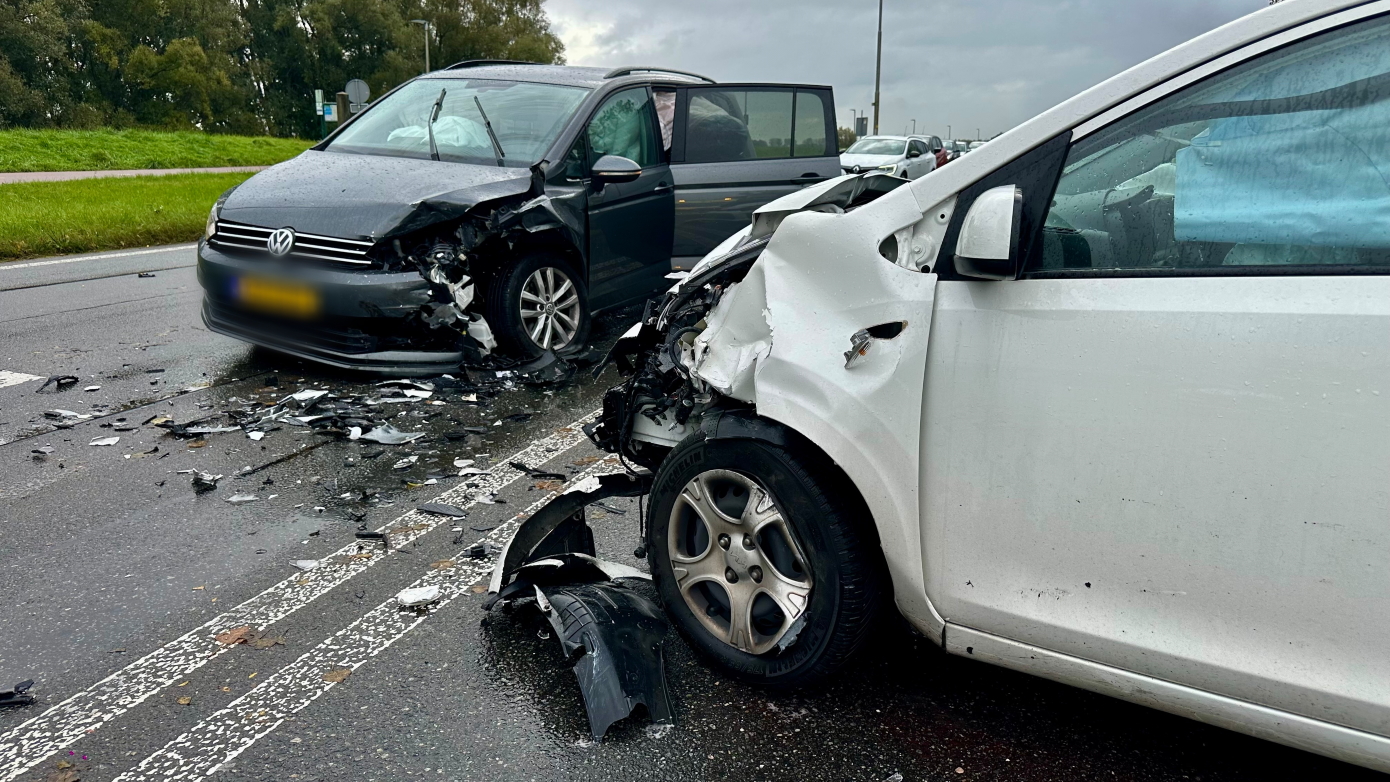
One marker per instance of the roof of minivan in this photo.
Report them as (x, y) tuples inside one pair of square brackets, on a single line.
[(569, 75)]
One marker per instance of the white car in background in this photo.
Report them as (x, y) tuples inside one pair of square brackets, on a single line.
[(900, 156), (1115, 408)]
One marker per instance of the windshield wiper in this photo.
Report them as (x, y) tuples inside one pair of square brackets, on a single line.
[(496, 145), (429, 126)]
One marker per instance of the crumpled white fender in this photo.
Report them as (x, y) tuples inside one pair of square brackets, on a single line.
[(737, 337)]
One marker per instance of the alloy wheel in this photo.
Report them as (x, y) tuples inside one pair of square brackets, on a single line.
[(550, 308), (737, 561)]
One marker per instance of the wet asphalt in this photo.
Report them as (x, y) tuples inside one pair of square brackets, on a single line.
[(107, 555)]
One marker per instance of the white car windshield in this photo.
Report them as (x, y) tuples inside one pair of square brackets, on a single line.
[(877, 146), (525, 117)]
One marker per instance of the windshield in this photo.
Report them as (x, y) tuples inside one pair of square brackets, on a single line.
[(877, 146), (526, 118)]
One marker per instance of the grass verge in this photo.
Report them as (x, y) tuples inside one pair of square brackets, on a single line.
[(88, 215), (105, 150)]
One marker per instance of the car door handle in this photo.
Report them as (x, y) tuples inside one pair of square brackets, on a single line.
[(662, 188), (808, 178)]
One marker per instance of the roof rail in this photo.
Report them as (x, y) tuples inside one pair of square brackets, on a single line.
[(477, 63), (628, 70)]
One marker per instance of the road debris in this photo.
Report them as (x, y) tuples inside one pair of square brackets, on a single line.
[(242, 499), (205, 481), (105, 441), (416, 597), (540, 475), (305, 564), (616, 631), (337, 675), (59, 383), (18, 695), (90, 389), (406, 463), (443, 510)]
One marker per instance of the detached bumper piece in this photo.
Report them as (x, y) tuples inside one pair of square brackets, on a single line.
[(618, 630)]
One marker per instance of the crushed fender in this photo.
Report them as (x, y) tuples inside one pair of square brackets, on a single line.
[(615, 631)]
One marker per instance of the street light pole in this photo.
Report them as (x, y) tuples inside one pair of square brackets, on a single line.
[(878, 65), (425, 25), (914, 127)]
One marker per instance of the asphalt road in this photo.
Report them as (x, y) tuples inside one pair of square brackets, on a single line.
[(116, 576)]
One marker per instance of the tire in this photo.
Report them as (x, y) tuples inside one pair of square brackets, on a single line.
[(830, 534), (507, 312)]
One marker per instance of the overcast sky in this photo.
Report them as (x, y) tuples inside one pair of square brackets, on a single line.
[(986, 64)]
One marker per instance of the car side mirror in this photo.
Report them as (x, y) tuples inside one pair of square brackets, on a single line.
[(987, 247), (615, 170), (914, 153)]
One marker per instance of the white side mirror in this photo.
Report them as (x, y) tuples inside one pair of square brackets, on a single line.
[(987, 246)]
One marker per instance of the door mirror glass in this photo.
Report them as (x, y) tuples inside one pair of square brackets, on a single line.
[(615, 170), (914, 152), (988, 244)]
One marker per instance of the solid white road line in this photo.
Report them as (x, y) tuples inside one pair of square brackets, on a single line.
[(29, 743), (148, 251), (232, 730), (8, 378)]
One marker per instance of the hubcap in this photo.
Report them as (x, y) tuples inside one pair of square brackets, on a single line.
[(736, 560), (550, 308)]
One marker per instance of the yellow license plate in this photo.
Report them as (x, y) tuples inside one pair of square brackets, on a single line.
[(276, 297)]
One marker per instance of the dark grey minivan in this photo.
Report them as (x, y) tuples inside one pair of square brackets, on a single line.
[(496, 206)]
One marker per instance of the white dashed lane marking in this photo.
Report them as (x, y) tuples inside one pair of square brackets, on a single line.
[(8, 378), (231, 731), (29, 743)]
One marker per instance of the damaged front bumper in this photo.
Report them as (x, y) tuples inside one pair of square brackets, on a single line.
[(363, 319)]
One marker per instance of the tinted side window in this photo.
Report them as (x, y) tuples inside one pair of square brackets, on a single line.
[(919, 146), (810, 124), (725, 125), (1283, 161), (626, 126)]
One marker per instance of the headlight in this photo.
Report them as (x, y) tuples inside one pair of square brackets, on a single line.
[(211, 227), (890, 168)]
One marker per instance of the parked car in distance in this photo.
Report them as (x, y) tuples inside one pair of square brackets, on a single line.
[(974, 145), (1106, 401), (498, 205), (937, 147), (900, 156), (954, 148)]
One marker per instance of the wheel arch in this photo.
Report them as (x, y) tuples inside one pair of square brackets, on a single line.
[(909, 595)]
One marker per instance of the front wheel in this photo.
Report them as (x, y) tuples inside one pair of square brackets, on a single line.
[(539, 303), (765, 560)]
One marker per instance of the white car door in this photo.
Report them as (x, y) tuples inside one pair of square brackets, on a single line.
[(1166, 446)]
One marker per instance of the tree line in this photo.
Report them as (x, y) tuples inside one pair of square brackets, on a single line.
[(236, 66)]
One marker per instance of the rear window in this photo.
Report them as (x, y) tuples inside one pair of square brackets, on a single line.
[(724, 125)]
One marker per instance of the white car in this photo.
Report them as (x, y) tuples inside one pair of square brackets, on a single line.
[(900, 156), (1106, 401)]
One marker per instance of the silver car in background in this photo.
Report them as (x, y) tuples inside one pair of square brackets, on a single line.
[(901, 156)]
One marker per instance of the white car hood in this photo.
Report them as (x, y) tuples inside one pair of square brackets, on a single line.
[(867, 162)]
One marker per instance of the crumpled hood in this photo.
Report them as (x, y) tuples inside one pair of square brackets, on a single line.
[(367, 196), (868, 162)]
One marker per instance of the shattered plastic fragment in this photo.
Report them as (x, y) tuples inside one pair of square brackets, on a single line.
[(67, 414), (204, 481), (406, 462), (241, 499), (443, 510), (19, 695), (255, 435), (417, 596), (305, 564), (540, 475), (105, 441), (307, 395), (387, 434)]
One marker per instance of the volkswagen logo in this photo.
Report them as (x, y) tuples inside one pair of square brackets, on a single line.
[(280, 242)]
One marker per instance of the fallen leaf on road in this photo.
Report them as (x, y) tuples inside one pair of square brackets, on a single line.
[(185, 684), (185, 700), (226, 689), (587, 460), (478, 589), (195, 589), (267, 641), (236, 635), (337, 675), (443, 564), (198, 444), (549, 485)]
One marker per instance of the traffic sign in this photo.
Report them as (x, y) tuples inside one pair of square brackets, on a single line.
[(358, 91)]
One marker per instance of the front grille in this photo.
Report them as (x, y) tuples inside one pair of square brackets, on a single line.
[(321, 248)]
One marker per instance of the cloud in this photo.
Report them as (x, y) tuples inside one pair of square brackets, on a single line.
[(987, 64)]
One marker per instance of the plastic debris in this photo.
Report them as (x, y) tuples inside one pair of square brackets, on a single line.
[(105, 441), (59, 383), (241, 499), (19, 695), (387, 434), (305, 564), (307, 395), (443, 510), (417, 596), (540, 475), (255, 435), (205, 481), (91, 388), (67, 414), (406, 462)]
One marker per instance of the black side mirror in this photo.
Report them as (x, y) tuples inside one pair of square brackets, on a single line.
[(615, 170)]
